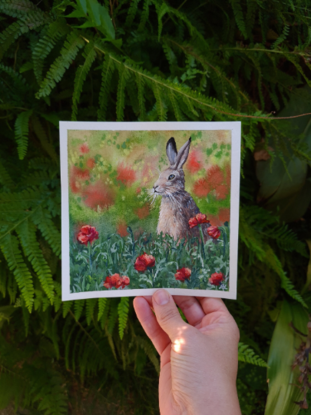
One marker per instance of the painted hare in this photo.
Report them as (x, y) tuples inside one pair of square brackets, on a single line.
[(177, 206)]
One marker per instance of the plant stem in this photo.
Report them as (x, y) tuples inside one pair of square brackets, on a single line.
[(202, 241), (224, 238), (90, 258)]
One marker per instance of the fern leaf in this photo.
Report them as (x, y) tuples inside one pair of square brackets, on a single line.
[(123, 310), (149, 350), (66, 307), (5, 178), (10, 248), (141, 97), (160, 104), (54, 33), (282, 37), (177, 112), (131, 13), (18, 8), (107, 72), (27, 235), (68, 53), (8, 36), (248, 355), (78, 308), (144, 16), (238, 15), (41, 134), (21, 132), (121, 92), (89, 55), (18, 81), (42, 219), (101, 307), (113, 315), (90, 306)]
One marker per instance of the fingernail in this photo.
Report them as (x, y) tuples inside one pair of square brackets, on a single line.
[(161, 297)]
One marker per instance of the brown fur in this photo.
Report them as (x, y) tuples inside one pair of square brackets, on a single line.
[(177, 206)]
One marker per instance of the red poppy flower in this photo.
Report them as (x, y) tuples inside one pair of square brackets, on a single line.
[(123, 281), (143, 212), (90, 163), (116, 281), (197, 220), (122, 228), (87, 234), (194, 164), (216, 278), (126, 175), (143, 262), (183, 274), (98, 195), (201, 187), (214, 232), (84, 148)]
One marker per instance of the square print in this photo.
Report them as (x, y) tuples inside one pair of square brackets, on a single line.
[(149, 205)]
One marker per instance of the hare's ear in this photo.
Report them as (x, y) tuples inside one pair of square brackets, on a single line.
[(183, 155), (171, 150)]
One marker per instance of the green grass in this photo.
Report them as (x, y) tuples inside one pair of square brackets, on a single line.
[(110, 254)]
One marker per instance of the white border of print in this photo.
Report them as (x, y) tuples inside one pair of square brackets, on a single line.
[(235, 128)]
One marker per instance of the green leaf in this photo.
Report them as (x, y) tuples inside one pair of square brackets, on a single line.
[(123, 310), (21, 132), (283, 392), (248, 355)]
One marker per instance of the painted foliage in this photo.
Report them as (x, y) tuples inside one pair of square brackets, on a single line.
[(120, 185)]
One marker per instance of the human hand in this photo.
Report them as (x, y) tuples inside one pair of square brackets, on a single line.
[(199, 360)]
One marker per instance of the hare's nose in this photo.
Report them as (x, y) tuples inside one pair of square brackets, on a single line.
[(155, 187)]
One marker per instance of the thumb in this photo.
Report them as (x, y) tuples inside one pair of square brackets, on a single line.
[(167, 314)]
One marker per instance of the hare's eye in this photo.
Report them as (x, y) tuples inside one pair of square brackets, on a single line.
[(171, 177)]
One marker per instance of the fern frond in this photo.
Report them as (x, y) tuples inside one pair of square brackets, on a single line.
[(68, 53), (66, 305), (5, 178), (113, 315), (89, 54), (131, 13), (54, 33), (248, 355), (123, 74), (78, 308), (42, 219), (107, 72), (149, 350), (123, 310), (27, 235), (18, 80), (21, 132), (239, 17), (41, 134), (8, 36), (174, 103), (144, 16), (18, 8), (10, 248), (160, 103), (282, 37), (141, 97), (90, 306), (101, 307)]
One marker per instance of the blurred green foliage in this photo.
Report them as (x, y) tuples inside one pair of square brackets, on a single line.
[(148, 60)]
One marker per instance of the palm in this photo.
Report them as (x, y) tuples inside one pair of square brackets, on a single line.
[(204, 316)]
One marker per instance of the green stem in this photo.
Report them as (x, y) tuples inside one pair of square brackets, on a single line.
[(90, 258), (202, 241)]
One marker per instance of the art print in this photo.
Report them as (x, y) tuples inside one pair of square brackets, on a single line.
[(149, 205)]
